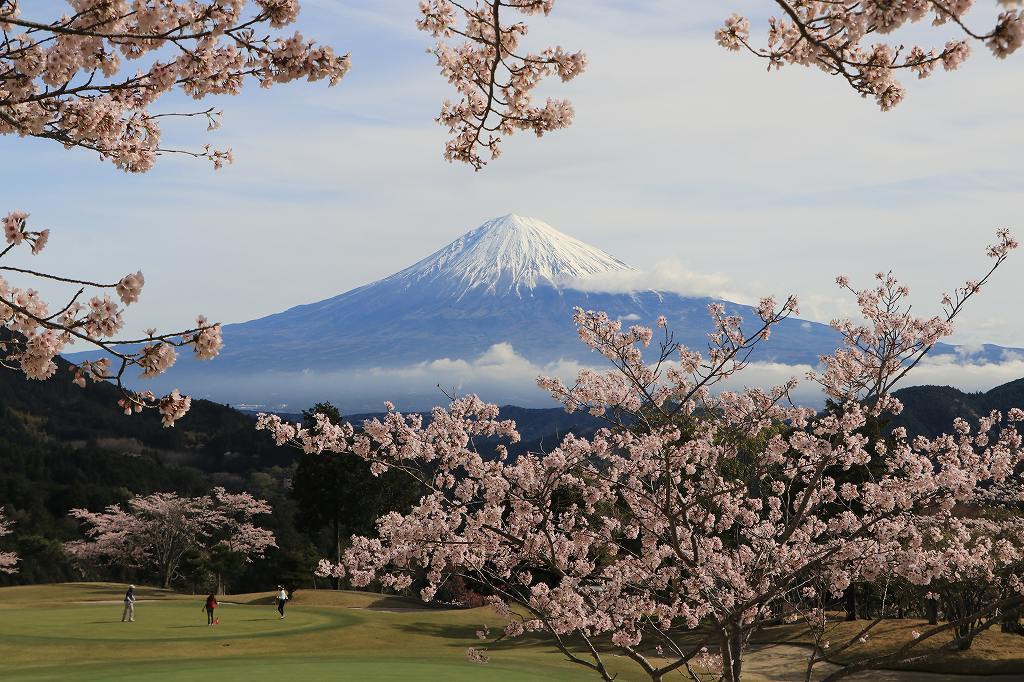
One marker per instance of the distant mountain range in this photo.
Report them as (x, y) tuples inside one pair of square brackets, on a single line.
[(507, 288)]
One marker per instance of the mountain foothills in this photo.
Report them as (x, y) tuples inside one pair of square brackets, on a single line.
[(501, 295), (65, 447)]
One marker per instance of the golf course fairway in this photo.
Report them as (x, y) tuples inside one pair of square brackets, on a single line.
[(74, 632)]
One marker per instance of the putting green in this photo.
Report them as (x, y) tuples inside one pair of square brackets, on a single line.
[(166, 621)]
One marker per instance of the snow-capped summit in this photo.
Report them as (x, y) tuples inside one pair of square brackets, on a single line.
[(508, 254)]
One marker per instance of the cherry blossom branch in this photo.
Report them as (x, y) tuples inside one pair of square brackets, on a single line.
[(36, 336), (830, 35), (493, 81), (58, 80)]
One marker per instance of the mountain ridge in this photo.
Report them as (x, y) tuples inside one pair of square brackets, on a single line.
[(497, 300)]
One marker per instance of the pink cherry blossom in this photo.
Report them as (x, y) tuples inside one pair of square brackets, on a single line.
[(156, 531), (493, 76), (832, 37), (8, 560), (697, 514), (88, 78), (40, 335)]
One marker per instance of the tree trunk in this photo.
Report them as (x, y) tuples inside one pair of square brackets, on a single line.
[(220, 584), (933, 611), (851, 602), (732, 654), (337, 548), (963, 637), (865, 603)]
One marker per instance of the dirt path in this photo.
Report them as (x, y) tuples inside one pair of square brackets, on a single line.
[(786, 663)]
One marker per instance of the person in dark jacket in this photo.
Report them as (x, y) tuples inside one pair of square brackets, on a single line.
[(210, 606)]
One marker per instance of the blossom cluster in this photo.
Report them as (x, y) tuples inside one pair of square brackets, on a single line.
[(8, 560), (696, 515), (67, 79), (36, 335), (493, 79), (832, 36)]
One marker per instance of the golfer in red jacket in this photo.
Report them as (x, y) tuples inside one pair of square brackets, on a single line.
[(210, 605)]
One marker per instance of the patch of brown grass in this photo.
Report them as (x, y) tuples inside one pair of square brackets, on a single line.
[(993, 652)]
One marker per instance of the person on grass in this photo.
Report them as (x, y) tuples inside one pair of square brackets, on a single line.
[(282, 597), (210, 606), (129, 605)]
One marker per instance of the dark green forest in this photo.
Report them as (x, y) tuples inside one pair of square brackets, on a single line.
[(64, 447)]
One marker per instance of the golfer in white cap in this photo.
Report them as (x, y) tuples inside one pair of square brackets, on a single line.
[(129, 605)]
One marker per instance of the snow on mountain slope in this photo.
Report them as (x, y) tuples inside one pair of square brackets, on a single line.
[(507, 254)]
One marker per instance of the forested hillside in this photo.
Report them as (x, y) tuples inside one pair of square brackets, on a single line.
[(930, 410), (62, 447)]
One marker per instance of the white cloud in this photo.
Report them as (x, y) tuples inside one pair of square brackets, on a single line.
[(667, 275), (958, 371)]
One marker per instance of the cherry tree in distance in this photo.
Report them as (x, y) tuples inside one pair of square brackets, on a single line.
[(155, 531), (698, 515), (8, 560)]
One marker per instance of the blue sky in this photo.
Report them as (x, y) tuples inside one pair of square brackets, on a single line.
[(683, 156)]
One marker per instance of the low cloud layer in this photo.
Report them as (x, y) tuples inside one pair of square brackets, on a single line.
[(667, 275), (503, 376)]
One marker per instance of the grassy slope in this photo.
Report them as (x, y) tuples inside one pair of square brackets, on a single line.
[(73, 632)]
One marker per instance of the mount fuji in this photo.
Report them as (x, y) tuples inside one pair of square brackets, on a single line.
[(500, 298)]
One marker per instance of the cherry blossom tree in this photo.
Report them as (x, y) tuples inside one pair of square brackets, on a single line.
[(833, 37), (154, 532), (8, 560), (90, 77), (699, 514)]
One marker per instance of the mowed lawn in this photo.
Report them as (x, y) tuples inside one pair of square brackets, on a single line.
[(73, 632)]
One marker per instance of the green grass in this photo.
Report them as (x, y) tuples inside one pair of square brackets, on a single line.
[(73, 632), (278, 669)]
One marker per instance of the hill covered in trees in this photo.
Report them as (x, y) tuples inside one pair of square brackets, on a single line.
[(930, 410), (64, 447)]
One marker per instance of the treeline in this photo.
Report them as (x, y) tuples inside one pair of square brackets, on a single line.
[(62, 448)]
